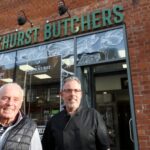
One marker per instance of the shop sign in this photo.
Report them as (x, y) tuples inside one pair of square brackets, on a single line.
[(40, 69), (96, 20)]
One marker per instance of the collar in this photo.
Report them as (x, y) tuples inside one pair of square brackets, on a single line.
[(18, 117), (76, 113)]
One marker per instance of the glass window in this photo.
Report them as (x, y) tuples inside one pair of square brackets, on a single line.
[(7, 67), (66, 50), (39, 70), (102, 46)]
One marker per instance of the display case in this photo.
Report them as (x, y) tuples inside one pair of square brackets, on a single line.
[(42, 103)]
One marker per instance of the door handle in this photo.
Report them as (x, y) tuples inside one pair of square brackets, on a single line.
[(130, 130)]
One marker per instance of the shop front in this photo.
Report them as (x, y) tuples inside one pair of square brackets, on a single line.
[(99, 59)]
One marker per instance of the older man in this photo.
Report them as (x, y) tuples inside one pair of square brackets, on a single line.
[(76, 127), (17, 132)]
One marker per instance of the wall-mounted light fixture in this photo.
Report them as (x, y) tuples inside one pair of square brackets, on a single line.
[(62, 8), (22, 19)]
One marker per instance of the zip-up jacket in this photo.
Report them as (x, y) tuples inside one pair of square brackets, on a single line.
[(85, 130), (19, 137)]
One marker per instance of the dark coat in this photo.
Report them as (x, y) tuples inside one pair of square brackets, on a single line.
[(83, 131)]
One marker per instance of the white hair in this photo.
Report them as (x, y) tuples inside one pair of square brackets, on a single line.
[(72, 78), (12, 85)]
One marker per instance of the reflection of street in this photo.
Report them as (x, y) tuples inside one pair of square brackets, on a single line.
[(89, 58), (66, 73), (98, 47), (63, 48), (103, 54), (68, 62), (67, 66), (86, 44), (111, 38)]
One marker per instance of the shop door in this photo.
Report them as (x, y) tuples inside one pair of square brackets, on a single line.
[(106, 89)]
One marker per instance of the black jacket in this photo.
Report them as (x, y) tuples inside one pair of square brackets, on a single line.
[(83, 131)]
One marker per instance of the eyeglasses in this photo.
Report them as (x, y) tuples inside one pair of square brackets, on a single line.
[(71, 90)]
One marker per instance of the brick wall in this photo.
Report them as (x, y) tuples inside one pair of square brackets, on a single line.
[(137, 21)]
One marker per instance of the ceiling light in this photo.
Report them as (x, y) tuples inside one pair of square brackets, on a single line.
[(26, 68), (104, 92), (122, 53), (124, 66), (42, 76), (7, 80)]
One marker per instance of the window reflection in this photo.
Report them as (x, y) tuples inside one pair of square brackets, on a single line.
[(39, 78), (7, 67), (66, 50), (100, 47), (40, 71)]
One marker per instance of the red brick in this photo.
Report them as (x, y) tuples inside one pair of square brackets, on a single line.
[(137, 22)]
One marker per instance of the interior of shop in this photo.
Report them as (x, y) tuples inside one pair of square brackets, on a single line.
[(109, 91)]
